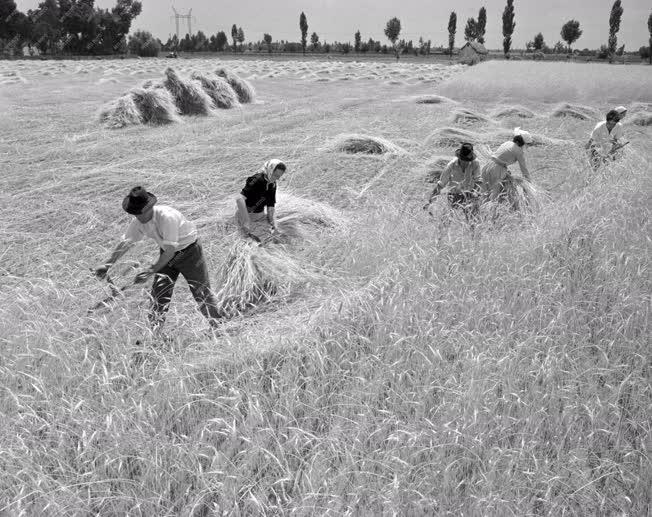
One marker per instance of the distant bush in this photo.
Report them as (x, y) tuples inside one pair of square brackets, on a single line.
[(143, 44), (644, 52)]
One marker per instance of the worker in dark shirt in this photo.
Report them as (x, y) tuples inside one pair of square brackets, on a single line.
[(258, 194)]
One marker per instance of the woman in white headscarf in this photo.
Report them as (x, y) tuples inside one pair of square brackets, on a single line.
[(257, 197), (495, 172)]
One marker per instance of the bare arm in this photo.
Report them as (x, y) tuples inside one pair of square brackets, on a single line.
[(243, 219), (163, 259), (521, 163), (270, 216), (118, 252), (443, 181)]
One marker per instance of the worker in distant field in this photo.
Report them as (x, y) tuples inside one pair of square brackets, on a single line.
[(258, 195), (606, 139), (180, 253), (495, 172), (462, 176)]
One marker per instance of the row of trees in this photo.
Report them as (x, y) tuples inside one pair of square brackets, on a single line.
[(73, 26), (77, 26), (474, 31)]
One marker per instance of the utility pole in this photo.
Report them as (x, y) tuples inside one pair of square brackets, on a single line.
[(187, 17)]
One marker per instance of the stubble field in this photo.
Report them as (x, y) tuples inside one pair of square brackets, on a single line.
[(402, 365)]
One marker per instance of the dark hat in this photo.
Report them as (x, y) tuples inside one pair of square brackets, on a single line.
[(138, 200), (465, 152)]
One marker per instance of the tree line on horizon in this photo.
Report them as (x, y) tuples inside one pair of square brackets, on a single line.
[(78, 27)]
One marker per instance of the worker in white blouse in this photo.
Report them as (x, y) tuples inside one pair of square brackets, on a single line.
[(606, 139), (180, 254), (495, 171)]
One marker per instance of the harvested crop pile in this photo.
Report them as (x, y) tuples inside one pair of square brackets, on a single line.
[(153, 106), (431, 99), (13, 78), (244, 90), (575, 111), (156, 106), (465, 116), (223, 95), (252, 275), (451, 137), (189, 96), (512, 112), (522, 195), (435, 167), (300, 218), (121, 113), (642, 118), (362, 144)]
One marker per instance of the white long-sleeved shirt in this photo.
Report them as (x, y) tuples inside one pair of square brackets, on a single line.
[(603, 139), (461, 180), (510, 153), (167, 226)]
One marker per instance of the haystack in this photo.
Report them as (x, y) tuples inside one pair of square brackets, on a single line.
[(431, 99), (451, 137), (575, 111), (362, 144), (252, 275), (121, 113), (156, 106), (435, 167), (218, 89), (512, 112), (522, 195), (244, 90), (466, 116), (640, 119), (304, 219), (189, 96)]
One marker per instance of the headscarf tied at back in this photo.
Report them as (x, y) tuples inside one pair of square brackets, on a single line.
[(269, 167)]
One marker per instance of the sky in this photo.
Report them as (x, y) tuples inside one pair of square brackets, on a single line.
[(338, 20)]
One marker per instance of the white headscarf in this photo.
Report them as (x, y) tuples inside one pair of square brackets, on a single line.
[(527, 137), (269, 167)]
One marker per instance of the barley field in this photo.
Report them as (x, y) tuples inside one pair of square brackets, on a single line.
[(386, 362)]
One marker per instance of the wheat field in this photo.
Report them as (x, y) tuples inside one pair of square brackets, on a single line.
[(405, 364)]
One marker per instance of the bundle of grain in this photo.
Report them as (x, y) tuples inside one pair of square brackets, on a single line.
[(104, 80), (156, 106), (300, 218), (14, 79), (362, 144), (243, 88), (431, 99), (252, 275), (512, 112), (643, 118), (575, 111), (435, 167), (218, 89), (120, 113), (522, 195), (189, 96), (466, 116), (450, 137)]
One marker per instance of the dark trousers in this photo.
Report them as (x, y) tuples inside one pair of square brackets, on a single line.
[(191, 264), (467, 202)]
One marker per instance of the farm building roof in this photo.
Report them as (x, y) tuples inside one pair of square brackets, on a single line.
[(478, 47)]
